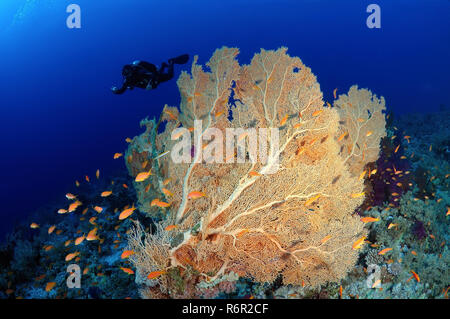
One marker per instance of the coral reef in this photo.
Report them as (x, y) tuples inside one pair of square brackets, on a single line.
[(282, 226), (32, 258), (289, 214), (416, 227)]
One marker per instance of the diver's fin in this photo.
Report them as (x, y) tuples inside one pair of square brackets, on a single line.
[(182, 59)]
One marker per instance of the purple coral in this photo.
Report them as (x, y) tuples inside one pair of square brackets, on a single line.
[(418, 230), (392, 179)]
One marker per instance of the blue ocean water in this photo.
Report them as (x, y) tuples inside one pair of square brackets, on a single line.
[(60, 121)]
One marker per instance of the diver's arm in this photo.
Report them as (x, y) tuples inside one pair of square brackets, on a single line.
[(116, 90), (165, 72)]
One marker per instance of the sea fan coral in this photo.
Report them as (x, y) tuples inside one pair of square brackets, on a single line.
[(287, 214)]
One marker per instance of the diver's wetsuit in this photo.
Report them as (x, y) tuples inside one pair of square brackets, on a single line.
[(144, 75)]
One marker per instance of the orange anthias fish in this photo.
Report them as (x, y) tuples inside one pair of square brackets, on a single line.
[(171, 115), (372, 172), (98, 209), (87, 179), (127, 270), (254, 173), (62, 211), (312, 199), (283, 120), (369, 219), (70, 196), (51, 229), (143, 176), (106, 193), (392, 225), (362, 175), (126, 254), (167, 192), (316, 113), (376, 283), (242, 232), (155, 274), (71, 256), (170, 227), (127, 212), (97, 174), (325, 239), (334, 93), (416, 276), (74, 206), (50, 286), (79, 240), (48, 248), (342, 136), (154, 202), (384, 251), (358, 244), (196, 194), (162, 204), (92, 235), (219, 113), (34, 225), (117, 155)]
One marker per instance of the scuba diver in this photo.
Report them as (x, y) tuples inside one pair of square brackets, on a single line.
[(145, 75)]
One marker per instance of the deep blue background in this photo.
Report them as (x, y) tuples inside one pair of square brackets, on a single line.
[(59, 120)]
